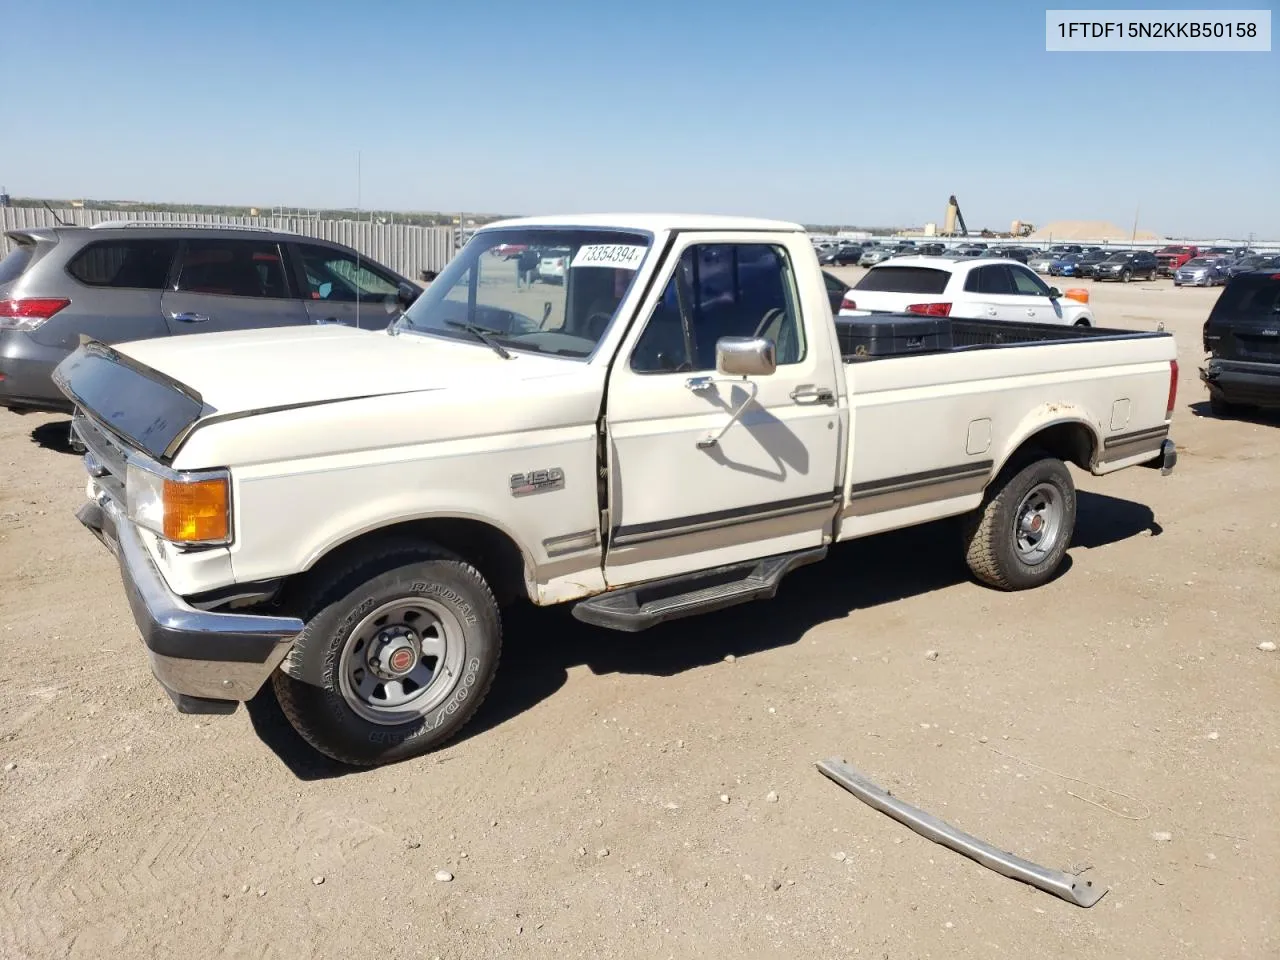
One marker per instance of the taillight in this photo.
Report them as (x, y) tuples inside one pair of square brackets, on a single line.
[(28, 313), (847, 304), (930, 309), (1173, 389)]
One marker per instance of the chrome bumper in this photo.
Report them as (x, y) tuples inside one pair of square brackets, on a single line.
[(206, 661)]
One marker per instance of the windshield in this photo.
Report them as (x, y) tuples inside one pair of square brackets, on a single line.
[(1198, 262), (1096, 255), (1118, 258), (551, 291)]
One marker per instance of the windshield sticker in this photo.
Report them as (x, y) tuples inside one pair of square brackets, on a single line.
[(620, 256)]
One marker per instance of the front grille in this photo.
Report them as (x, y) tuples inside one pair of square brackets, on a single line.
[(106, 459)]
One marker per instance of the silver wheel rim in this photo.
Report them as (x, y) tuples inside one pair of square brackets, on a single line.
[(1037, 523), (401, 661)]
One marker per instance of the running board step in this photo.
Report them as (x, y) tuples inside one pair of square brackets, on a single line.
[(638, 608)]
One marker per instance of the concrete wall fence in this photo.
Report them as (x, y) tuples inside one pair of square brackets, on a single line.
[(406, 249)]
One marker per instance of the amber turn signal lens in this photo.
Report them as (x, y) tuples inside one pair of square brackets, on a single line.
[(1079, 294), (196, 512)]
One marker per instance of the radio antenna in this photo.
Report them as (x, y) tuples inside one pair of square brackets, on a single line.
[(355, 281)]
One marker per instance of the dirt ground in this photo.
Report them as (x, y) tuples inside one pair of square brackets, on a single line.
[(1121, 719)]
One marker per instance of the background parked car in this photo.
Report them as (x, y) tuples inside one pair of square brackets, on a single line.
[(1127, 266), (1256, 261), (1174, 256), (1202, 272), (552, 265), (1088, 264), (873, 255), (1065, 265), (1041, 261), (843, 255), (117, 283), (1242, 337)]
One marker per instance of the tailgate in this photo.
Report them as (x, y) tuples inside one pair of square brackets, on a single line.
[(143, 406)]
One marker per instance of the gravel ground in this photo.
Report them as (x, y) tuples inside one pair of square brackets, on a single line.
[(1121, 719)]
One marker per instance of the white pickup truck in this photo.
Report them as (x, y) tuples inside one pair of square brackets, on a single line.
[(347, 512)]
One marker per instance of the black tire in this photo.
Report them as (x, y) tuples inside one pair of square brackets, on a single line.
[(1125, 276), (1082, 323), (333, 605), (989, 532)]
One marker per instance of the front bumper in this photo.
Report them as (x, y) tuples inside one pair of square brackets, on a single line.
[(1243, 382), (207, 661)]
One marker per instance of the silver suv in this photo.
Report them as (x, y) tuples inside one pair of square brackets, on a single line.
[(117, 282)]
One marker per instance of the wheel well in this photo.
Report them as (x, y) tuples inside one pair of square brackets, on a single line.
[(1071, 442), (487, 548)]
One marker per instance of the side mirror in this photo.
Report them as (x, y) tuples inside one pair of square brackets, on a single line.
[(745, 357), (1054, 293), (406, 294)]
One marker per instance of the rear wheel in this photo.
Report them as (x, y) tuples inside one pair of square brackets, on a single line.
[(1017, 538), (398, 651)]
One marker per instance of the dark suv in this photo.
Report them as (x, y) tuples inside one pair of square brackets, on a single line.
[(1126, 265), (1242, 338), (117, 282)]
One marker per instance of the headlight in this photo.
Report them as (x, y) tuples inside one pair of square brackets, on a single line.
[(184, 508)]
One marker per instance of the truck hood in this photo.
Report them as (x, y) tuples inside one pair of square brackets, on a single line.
[(295, 366), (152, 392)]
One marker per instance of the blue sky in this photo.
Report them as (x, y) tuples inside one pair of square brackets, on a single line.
[(854, 112)]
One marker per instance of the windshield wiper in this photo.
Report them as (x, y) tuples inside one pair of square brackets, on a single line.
[(483, 335)]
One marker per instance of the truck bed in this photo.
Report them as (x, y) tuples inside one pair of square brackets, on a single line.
[(905, 334)]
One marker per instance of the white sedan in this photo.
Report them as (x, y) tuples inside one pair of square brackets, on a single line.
[(977, 289)]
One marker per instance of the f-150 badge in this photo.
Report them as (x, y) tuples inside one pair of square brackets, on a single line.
[(537, 481)]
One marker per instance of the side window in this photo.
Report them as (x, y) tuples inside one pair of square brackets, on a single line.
[(993, 280), (134, 264), (1027, 284), (233, 268), (338, 277), (722, 290)]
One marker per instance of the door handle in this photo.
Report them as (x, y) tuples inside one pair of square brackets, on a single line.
[(699, 384), (813, 395), (189, 317)]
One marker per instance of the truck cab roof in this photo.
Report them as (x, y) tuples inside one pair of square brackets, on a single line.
[(650, 222)]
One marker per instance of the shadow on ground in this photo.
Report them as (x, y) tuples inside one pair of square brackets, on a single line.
[(54, 435), (1270, 418), (541, 645)]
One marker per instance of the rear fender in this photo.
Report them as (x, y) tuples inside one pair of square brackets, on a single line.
[(1061, 429)]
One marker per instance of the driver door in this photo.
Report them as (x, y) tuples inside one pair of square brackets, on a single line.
[(707, 469)]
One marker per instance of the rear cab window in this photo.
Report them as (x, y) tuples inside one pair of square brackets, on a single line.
[(132, 264), (892, 279)]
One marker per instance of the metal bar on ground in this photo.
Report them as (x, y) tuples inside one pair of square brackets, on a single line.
[(1077, 890)]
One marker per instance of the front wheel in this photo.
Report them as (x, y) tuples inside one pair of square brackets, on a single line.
[(397, 654), (1125, 276), (1017, 538)]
